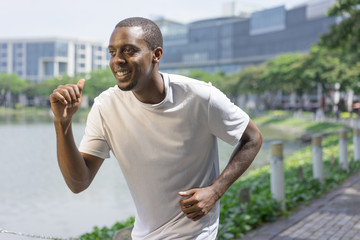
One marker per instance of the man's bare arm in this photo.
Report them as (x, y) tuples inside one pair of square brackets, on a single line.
[(78, 169), (243, 155), (202, 200)]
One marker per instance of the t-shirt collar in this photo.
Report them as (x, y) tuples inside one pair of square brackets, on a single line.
[(163, 103)]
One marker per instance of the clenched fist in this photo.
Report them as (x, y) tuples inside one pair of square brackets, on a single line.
[(66, 99)]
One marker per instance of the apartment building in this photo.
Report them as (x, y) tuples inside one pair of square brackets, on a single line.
[(44, 58)]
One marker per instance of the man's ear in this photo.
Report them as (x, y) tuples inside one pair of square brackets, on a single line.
[(157, 54)]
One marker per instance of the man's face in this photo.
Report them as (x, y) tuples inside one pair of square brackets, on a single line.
[(131, 61)]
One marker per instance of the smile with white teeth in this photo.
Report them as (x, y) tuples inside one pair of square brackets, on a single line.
[(122, 73)]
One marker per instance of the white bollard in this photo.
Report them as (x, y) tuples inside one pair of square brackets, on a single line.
[(356, 144), (343, 144), (318, 164), (277, 173)]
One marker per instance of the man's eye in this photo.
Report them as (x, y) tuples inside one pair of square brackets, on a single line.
[(112, 53), (129, 50)]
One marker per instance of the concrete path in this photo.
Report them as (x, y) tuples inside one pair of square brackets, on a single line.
[(333, 216)]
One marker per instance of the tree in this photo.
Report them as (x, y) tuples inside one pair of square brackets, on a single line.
[(10, 83), (344, 37), (226, 83), (98, 81), (46, 87), (251, 79), (325, 68), (285, 73)]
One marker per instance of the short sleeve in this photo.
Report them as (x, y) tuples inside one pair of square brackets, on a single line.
[(94, 141), (226, 120)]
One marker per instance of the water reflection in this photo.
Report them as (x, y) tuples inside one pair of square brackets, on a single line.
[(25, 118), (35, 116)]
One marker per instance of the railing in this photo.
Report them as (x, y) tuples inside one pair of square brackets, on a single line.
[(277, 163)]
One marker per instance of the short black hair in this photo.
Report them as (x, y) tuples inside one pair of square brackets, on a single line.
[(152, 33)]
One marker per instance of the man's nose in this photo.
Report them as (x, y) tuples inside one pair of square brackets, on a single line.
[(119, 59)]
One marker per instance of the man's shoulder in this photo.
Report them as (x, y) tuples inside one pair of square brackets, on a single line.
[(107, 95), (189, 84), (181, 79)]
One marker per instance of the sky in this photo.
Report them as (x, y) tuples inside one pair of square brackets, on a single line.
[(95, 19)]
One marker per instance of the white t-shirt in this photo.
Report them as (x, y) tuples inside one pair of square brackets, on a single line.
[(165, 148)]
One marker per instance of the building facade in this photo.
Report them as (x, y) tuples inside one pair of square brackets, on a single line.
[(230, 43), (227, 43), (40, 59)]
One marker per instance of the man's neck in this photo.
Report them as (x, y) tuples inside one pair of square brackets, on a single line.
[(155, 92)]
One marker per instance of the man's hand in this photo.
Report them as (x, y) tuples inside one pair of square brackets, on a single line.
[(66, 100), (199, 203)]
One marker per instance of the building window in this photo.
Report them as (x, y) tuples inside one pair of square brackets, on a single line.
[(226, 30), (34, 52), (49, 68), (61, 49), (226, 50), (269, 20), (18, 45), (195, 57), (62, 67)]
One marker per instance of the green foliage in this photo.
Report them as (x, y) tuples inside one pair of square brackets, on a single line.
[(10, 83), (46, 87), (285, 72), (226, 83), (344, 37), (98, 81), (106, 233), (285, 119), (327, 68), (237, 218), (300, 73), (342, 7), (251, 79)]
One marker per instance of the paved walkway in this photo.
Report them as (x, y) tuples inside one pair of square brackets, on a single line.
[(333, 216)]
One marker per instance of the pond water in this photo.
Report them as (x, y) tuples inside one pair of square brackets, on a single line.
[(35, 199)]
